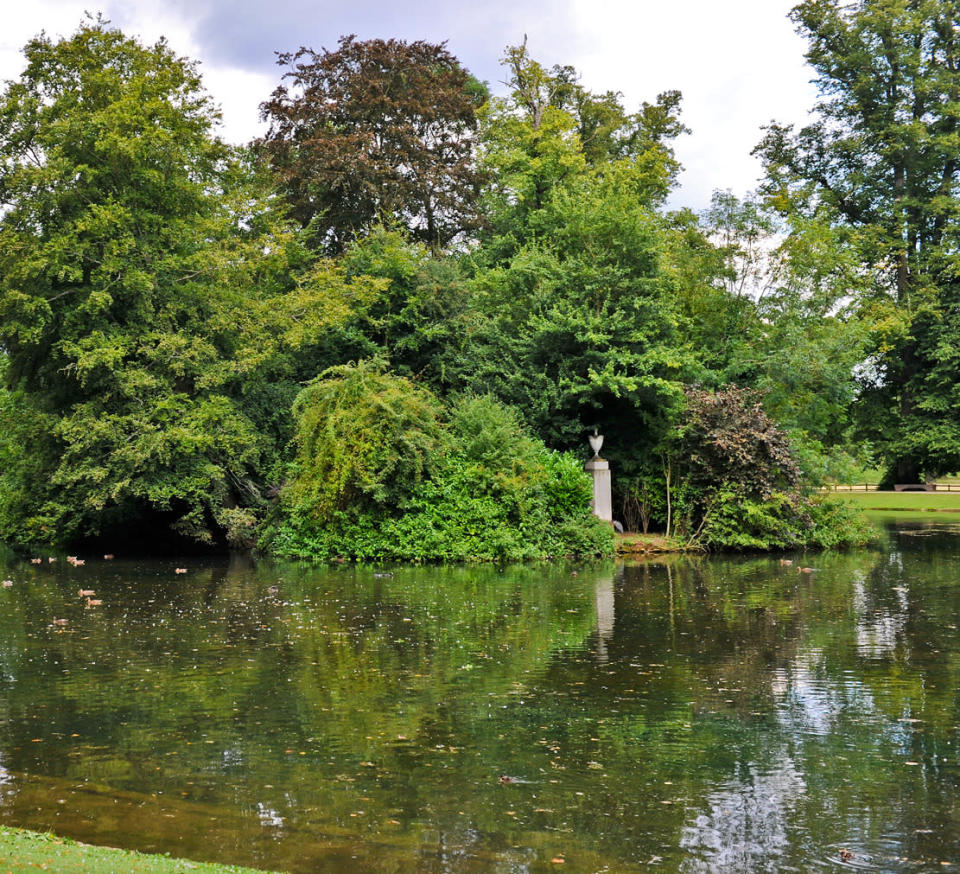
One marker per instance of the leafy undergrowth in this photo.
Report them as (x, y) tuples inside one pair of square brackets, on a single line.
[(381, 475), (739, 524), (31, 851)]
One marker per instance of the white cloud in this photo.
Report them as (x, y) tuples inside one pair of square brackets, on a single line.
[(23, 21), (238, 92), (738, 63)]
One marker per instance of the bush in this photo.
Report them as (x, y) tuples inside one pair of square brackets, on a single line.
[(493, 493), (837, 523), (364, 439), (741, 485), (736, 521)]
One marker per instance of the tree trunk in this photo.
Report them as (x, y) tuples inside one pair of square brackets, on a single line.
[(666, 473)]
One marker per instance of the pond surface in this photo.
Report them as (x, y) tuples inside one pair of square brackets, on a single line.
[(721, 714)]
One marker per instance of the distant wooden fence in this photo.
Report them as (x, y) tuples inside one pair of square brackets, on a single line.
[(899, 487)]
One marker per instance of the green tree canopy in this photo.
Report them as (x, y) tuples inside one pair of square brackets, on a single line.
[(149, 297), (880, 160), (582, 326), (549, 129)]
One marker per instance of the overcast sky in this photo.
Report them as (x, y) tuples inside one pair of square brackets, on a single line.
[(738, 63)]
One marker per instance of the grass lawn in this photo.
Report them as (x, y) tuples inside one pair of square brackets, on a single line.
[(915, 501), (874, 476), (29, 851)]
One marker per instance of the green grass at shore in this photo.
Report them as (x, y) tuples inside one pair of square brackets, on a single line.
[(911, 501), (22, 850)]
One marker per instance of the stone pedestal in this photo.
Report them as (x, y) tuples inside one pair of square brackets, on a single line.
[(602, 498)]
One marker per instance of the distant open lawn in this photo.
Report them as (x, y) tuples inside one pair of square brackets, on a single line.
[(29, 851), (913, 501)]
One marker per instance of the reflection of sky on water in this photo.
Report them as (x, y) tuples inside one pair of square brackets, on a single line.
[(879, 629), (8, 785), (809, 702), (232, 759), (895, 561), (746, 823), (269, 818)]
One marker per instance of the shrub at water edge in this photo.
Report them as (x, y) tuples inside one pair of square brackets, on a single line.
[(386, 473)]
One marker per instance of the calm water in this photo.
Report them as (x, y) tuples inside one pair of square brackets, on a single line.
[(723, 714)]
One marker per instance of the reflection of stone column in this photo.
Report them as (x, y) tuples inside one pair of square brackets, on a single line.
[(603, 596)]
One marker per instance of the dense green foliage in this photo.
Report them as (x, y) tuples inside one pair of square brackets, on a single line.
[(108, 165), (149, 301), (385, 329), (878, 165), (364, 439), (380, 476)]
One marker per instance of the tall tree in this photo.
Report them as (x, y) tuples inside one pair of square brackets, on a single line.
[(145, 295), (582, 326), (376, 131), (549, 129), (583, 329), (881, 160), (106, 163), (788, 324)]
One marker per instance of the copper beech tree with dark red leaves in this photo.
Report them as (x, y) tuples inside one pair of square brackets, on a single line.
[(739, 485), (376, 131), (729, 438)]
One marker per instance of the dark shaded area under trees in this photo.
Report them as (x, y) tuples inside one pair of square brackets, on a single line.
[(384, 330)]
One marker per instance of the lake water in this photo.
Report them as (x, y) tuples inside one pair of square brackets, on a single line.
[(706, 714)]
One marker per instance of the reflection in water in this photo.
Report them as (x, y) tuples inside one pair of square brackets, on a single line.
[(604, 600), (686, 714), (746, 823), (5, 776), (269, 818), (811, 701), (880, 629)]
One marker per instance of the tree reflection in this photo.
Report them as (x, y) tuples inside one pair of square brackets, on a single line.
[(712, 713)]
